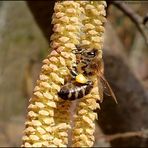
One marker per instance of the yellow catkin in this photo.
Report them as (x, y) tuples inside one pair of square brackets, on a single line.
[(93, 18), (47, 121)]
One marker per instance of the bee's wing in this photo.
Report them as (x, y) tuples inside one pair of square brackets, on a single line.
[(106, 87), (100, 90)]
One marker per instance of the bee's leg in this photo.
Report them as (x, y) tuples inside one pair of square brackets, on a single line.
[(84, 65), (86, 61), (87, 70), (78, 47), (90, 83), (73, 73), (78, 50), (75, 51)]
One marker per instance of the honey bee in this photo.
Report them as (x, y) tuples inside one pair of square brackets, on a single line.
[(87, 64), (95, 66)]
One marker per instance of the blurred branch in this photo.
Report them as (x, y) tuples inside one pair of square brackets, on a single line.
[(139, 21), (100, 138), (142, 134)]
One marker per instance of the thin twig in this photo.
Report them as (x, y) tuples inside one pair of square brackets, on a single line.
[(142, 134), (135, 18)]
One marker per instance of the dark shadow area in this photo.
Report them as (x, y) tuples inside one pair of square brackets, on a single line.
[(42, 12), (130, 112)]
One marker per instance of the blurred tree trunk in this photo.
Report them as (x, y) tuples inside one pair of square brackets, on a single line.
[(130, 113), (42, 12)]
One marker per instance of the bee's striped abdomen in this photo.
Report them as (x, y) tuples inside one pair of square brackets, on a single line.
[(73, 91)]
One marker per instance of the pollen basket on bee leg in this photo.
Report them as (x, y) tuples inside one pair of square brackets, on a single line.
[(81, 79)]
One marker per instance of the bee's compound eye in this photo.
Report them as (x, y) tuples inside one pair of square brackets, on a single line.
[(91, 53)]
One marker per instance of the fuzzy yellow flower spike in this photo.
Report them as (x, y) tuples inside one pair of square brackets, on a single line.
[(48, 122), (48, 116), (93, 29)]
